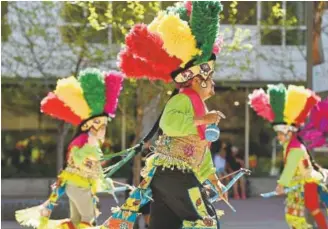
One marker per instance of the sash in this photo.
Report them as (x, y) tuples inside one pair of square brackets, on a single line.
[(199, 108)]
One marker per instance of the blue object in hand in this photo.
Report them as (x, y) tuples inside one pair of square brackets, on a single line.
[(212, 133)]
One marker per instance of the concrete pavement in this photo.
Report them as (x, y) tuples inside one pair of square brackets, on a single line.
[(254, 213)]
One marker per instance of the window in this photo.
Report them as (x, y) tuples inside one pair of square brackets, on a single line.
[(245, 14), (283, 23), (271, 37)]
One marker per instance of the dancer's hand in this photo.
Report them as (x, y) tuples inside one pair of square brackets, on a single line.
[(280, 189), (219, 188), (209, 118)]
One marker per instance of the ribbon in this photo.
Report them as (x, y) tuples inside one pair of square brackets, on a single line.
[(274, 193), (216, 196)]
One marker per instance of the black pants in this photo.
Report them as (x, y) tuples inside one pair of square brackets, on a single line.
[(172, 203)]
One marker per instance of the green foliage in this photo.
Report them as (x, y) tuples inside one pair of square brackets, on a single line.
[(120, 15), (5, 28)]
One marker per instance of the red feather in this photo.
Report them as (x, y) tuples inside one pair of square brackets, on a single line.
[(147, 47), (134, 67), (310, 103), (53, 106)]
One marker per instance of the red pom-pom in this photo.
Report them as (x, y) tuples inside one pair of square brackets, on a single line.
[(53, 106)]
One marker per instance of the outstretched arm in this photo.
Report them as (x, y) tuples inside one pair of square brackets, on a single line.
[(292, 161)]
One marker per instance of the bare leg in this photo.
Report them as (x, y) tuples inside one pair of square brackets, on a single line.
[(243, 187), (235, 191)]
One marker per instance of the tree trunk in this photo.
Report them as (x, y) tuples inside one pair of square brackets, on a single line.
[(63, 129), (137, 159), (147, 114)]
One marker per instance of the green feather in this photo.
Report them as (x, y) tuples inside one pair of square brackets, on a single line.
[(179, 9), (277, 94), (205, 22), (93, 86)]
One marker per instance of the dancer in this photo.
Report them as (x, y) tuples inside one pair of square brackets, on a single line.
[(183, 47), (287, 110), (88, 102)]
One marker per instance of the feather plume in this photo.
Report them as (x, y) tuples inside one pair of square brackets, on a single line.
[(178, 38), (295, 101), (316, 129), (188, 6), (70, 92), (259, 101), (149, 46), (217, 47), (92, 83), (205, 26), (53, 106), (277, 95), (134, 67), (113, 82), (312, 100), (180, 9)]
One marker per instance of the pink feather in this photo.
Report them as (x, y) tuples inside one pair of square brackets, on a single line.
[(113, 82), (217, 47), (316, 129), (259, 101), (188, 6)]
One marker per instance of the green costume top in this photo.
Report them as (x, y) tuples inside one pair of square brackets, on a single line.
[(298, 168), (178, 126)]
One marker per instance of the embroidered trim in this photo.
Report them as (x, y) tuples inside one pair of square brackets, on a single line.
[(169, 162)]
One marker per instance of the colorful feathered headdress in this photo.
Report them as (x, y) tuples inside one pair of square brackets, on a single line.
[(86, 101), (286, 109), (315, 130), (179, 43)]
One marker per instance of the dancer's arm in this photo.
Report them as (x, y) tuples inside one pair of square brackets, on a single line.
[(293, 159)]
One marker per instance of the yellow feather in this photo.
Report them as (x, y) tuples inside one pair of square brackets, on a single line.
[(153, 26), (295, 101), (70, 92), (177, 37)]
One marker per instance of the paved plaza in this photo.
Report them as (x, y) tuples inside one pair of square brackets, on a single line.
[(254, 213)]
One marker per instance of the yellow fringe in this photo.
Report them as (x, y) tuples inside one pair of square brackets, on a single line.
[(297, 222)]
